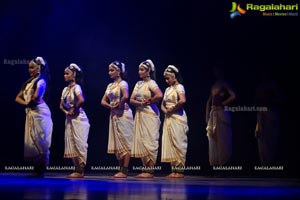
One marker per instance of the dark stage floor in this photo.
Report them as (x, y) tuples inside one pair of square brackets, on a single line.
[(57, 186)]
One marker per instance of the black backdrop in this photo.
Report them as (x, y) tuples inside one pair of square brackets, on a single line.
[(192, 35)]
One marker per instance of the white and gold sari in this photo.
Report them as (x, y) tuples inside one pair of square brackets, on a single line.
[(120, 122), (146, 124), (175, 128), (38, 126), (76, 127)]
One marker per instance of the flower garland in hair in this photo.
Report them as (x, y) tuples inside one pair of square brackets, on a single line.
[(123, 67), (73, 65), (118, 66), (173, 68), (40, 60), (151, 64)]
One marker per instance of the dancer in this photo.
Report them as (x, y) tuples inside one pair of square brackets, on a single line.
[(38, 124), (175, 126), (121, 118), (77, 124), (218, 120), (145, 97), (269, 98)]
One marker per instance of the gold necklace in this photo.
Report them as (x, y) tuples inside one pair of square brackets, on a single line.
[(114, 85), (171, 90)]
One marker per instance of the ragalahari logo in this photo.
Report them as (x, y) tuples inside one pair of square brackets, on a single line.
[(236, 10)]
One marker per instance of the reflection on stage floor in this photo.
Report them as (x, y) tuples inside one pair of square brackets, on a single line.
[(57, 186)]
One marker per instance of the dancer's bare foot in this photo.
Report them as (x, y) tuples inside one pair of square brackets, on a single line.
[(145, 175), (179, 175), (76, 175), (171, 175), (175, 175), (120, 175), (139, 175)]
